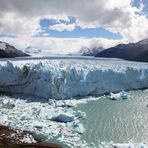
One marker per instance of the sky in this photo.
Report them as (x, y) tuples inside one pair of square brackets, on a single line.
[(65, 26)]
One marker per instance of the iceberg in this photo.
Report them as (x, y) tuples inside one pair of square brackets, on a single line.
[(117, 96), (38, 124), (62, 118), (68, 78), (130, 145), (122, 145), (8, 103)]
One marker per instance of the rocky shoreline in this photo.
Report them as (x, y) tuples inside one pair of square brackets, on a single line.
[(11, 138)]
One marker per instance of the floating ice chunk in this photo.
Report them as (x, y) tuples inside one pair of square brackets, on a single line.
[(60, 103), (124, 95), (51, 102), (121, 145), (63, 118), (69, 104), (3, 120), (113, 96), (66, 131), (8, 103), (79, 128), (76, 127), (25, 116), (43, 113), (80, 114), (142, 145), (119, 95), (64, 103), (38, 124)]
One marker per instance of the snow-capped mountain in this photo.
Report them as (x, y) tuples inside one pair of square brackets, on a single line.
[(35, 51), (8, 51), (143, 42), (85, 51), (132, 51), (32, 50)]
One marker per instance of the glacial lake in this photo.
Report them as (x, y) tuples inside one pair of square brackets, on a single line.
[(107, 121), (120, 121)]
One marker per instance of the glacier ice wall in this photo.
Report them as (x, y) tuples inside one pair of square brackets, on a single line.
[(63, 79)]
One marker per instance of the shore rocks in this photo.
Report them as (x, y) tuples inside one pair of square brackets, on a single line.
[(11, 138)]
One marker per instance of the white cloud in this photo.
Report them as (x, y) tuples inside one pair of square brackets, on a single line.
[(21, 17), (12, 24), (62, 27), (60, 45)]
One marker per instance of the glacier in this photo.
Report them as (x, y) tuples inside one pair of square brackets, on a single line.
[(64, 83), (66, 78), (69, 78)]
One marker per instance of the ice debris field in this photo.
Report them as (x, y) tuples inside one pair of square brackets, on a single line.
[(47, 120), (62, 84)]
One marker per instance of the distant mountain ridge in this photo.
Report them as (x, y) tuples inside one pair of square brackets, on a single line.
[(8, 51), (132, 51), (85, 51), (32, 50)]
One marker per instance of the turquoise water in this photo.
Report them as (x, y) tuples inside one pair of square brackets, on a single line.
[(120, 121)]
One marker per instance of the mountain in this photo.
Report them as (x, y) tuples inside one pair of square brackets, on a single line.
[(35, 51), (32, 50), (85, 51), (132, 51), (8, 51)]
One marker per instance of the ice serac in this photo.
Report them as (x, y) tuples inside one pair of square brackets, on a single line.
[(66, 78)]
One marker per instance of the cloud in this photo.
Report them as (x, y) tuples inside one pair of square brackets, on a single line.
[(22, 17), (62, 27), (12, 24), (60, 45)]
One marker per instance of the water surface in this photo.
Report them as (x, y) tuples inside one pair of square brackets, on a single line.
[(120, 121)]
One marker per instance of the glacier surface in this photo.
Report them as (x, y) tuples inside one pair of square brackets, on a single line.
[(67, 78)]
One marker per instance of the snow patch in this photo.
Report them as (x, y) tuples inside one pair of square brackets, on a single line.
[(2, 46)]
